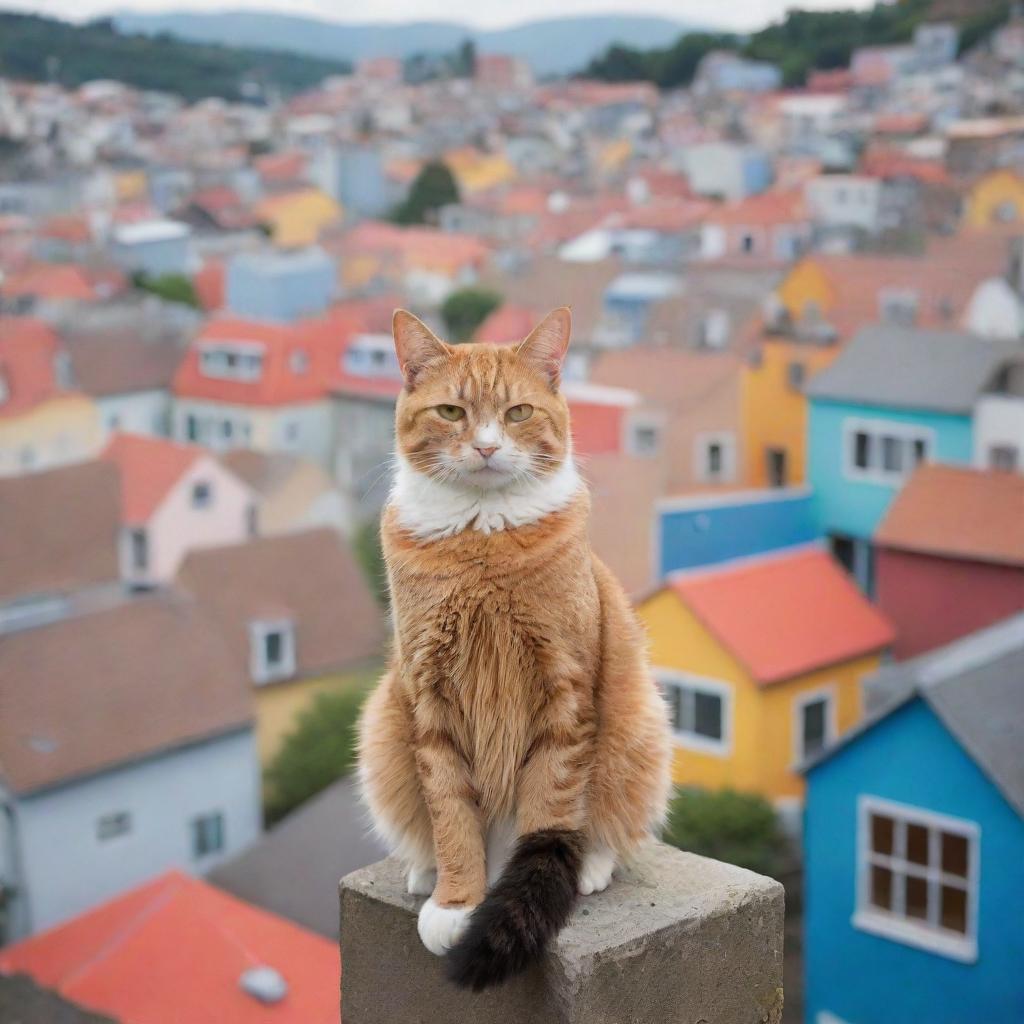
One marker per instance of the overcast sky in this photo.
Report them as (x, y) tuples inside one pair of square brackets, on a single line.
[(737, 14)]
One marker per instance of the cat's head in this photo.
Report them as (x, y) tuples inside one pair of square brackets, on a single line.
[(482, 416)]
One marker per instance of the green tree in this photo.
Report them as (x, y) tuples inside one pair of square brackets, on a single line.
[(466, 309), (739, 828), (432, 188), (319, 750), (170, 287)]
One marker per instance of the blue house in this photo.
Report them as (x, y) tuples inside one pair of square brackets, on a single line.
[(895, 397), (268, 284), (914, 845), (709, 529)]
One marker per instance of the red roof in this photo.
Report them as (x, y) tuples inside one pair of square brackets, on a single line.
[(785, 614), (765, 208), (28, 349), (150, 467), (173, 950), (300, 360), (416, 246), (54, 281), (508, 322), (280, 167)]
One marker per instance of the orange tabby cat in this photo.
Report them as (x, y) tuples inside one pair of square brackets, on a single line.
[(517, 749)]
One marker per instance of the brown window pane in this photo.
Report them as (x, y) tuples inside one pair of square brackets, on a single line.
[(917, 844), (881, 834), (917, 897), (881, 887), (954, 855), (954, 909)]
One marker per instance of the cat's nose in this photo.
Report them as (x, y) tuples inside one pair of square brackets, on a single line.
[(486, 452)]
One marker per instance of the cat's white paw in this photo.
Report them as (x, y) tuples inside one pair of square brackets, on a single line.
[(441, 927), (596, 873), (421, 881)]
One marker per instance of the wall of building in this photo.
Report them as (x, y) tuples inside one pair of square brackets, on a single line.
[(54, 433), (68, 869), (855, 506), (998, 420), (914, 592), (895, 761), (364, 431), (138, 412)]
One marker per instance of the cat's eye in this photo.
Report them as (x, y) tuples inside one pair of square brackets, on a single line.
[(518, 413), (451, 412)]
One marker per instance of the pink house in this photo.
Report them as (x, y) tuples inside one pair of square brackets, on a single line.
[(174, 498)]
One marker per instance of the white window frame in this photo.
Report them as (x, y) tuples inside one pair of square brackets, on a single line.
[(877, 430), (930, 936), (827, 693), (712, 687), (701, 447), (258, 633)]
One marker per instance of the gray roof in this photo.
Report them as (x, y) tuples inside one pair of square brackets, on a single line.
[(944, 371), (975, 686), (293, 870)]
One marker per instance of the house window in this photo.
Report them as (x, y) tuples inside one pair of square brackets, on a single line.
[(227, 430), (138, 542), (747, 242), (918, 878), (644, 439), (775, 467), (291, 431), (207, 834), (252, 521), (110, 826), (885, 452), (715, 457), (898, 306), (795, 375), (272, 650), (699, 711), (202, 494), (815, 725), (191, 427), (1004, 457)]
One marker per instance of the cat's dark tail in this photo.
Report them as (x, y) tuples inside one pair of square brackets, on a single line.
[(522, 912)]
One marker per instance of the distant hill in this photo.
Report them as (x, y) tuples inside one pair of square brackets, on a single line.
[(39, 49), (554, 46)]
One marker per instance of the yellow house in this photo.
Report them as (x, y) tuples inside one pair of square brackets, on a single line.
[(761, 662), (773, 410), (995, 198), (298, 218)]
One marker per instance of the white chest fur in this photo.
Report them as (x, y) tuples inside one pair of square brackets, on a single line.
[(430, 510)]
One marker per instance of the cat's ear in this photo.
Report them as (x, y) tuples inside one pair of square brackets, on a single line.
[(415, 344), (545, 346)]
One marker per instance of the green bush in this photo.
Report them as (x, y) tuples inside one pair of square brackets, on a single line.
[(739, 828), (466, 309), (170, 287), (320, 749)]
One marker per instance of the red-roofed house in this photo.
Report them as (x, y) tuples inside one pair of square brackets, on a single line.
[(767, 228), (44, 423), (950, 555), (761, 661), (174, 498), (253, 384), (50, 282), (177, 949)]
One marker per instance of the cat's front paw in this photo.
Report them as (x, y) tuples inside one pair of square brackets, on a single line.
[(596, 873), (441, 927), (421, 881)]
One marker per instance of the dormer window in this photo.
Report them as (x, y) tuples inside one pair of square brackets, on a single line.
[(272, 650), (231, 360), (898, 306)]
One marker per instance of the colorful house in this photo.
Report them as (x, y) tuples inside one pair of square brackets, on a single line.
[(895, 397), (297, 218), (913, 845), (210, 959), (995, 198), (950, 531), (761, 661), (44, 422), (298, 616)]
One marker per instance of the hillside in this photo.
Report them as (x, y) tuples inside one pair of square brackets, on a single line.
[(803, 41), (551, 46), (37, 49)]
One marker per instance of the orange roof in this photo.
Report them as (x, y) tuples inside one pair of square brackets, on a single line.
[(72, 227), (279, 167), (28, 349), (508, 322), (150, 467), (956, 512), (54, 281), (767, 208), (785, 614), (173, 950), (416, 247)]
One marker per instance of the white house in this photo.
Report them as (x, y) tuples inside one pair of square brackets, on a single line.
[(174, 498), (126, 749)]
